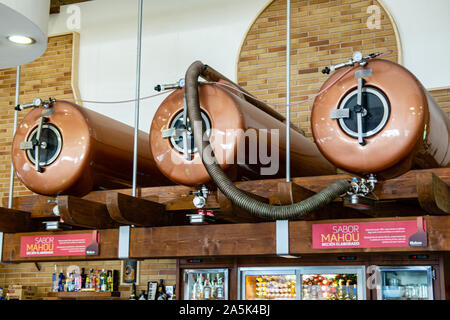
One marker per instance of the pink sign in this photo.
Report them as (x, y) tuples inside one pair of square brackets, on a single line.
[(59, 245), (409, 233)]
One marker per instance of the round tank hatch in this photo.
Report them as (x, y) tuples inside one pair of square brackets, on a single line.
[(375, 114), (50, 145), (177, 140)]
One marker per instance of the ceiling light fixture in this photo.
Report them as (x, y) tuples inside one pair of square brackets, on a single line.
[(18, 39)]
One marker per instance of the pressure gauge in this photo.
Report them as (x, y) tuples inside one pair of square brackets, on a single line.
[(37, 102), (199, 201), (357, 56)]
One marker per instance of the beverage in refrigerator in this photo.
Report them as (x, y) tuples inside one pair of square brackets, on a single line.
[(205, 284), (405, 283), (302, 283)]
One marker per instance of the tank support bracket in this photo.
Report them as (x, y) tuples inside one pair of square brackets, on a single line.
[(130, 210), (84, 213), (433, 193)]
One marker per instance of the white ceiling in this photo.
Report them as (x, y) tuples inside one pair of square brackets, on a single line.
[(25, 23)]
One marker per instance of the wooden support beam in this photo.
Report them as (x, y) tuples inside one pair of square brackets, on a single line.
[(130, 210), (289, 193), (231, 213), (433, 193), (38, 205), (204, 240), (84, 213), (438, 230), (178, 199), (245, 239), (15, 221), (395, 208)]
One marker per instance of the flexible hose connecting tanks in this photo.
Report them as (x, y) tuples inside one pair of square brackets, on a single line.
[(225, 185)]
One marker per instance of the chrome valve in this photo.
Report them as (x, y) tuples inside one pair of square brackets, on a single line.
[(200, 197), (356, 58), (37, 102), (177, 85)]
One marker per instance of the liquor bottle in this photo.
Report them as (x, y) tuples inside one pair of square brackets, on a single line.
[(55, 280), (214, 288), (219, 289), (69, 282), (77, 281), (143, 296), (161, 291), (109, 280), (133, 292), (207, 291), (103, 281), (198, 289), (66, 282), (61, 281), (73, 281), (93, 280), (341, 290), (83, 279), (203, 288), (88, 283), (174, 295), (97, 280), (347, 290), (194, 288)]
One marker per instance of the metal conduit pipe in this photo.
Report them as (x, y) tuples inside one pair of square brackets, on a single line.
[(226, 186), (210, 74)]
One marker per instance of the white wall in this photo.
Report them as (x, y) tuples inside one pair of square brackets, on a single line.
[(175, 34), (424, 27), (178, 32)]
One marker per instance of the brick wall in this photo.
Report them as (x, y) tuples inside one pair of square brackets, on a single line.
[(323, 32), (51, 76), (442, 97), (28, 273), (48, 76)]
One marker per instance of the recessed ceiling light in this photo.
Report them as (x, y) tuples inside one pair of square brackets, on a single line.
[(21, 39)]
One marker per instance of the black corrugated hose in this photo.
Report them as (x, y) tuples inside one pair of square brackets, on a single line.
[(226, 186)]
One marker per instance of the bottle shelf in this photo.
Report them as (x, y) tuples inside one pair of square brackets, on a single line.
[(84, 295)]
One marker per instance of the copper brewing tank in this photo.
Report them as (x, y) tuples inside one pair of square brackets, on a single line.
[(84, 151), (405, 127), (230, 117)]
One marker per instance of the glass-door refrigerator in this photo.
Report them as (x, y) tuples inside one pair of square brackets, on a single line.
[(302, 283), (205, 284), (268, 283), (405, 283)]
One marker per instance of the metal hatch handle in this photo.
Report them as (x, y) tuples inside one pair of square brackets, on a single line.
[(186, 143), (37, 147), (359, 112)]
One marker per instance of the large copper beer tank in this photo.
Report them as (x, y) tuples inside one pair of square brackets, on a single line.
[(81, 150), (232, 123), (402, 126)]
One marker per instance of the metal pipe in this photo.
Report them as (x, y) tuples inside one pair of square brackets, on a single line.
[(288, 90), (12, 172), (227, 187), (138, 87), (210, 74)]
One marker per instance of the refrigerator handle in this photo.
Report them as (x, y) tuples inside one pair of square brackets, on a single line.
[(433, 274)]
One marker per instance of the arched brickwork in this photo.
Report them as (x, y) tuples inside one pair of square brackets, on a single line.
[(323, 32)]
